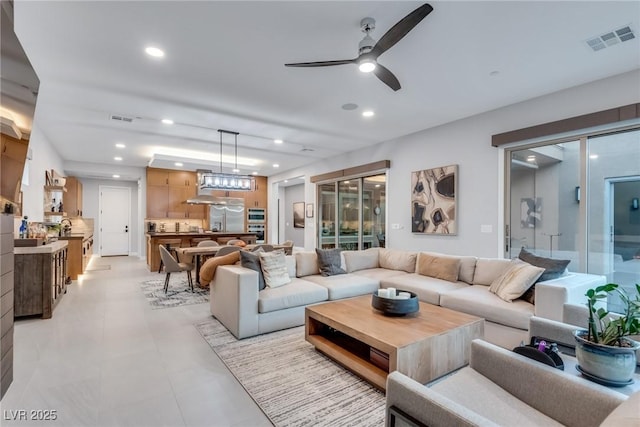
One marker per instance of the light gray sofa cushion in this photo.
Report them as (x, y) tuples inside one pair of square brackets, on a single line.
[(297, 293), (345, 285), (477, 300), (428, 289), (395, 259), (361, 260), (481, 395), (306, 264), (489, 269), (380, 273), (467, 265)]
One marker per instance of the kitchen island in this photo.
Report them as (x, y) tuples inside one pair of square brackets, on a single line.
[(188, 239)]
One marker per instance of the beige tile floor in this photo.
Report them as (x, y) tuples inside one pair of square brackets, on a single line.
[(107, 359)]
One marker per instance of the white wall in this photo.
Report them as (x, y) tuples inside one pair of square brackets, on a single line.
[(466, 142), (43, 157), (292, 194), (91, 203)]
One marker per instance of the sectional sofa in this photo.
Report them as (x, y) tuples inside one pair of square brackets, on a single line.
[(463, 285)]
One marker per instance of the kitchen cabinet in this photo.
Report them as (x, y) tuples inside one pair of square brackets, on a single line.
[(13, 155), (40, 279), (167, 193), (72, 200), (80, 249), (258, 197)]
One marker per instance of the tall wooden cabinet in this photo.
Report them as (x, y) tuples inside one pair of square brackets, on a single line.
[(72, 200), (167, 193), (13, 153)]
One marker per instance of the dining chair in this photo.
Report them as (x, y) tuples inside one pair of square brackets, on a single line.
[(227, 250), (207, 243), (288, 247), (264, 247), (170, 245), (171, 265)]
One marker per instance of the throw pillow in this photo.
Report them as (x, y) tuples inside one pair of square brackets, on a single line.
[(553, 268), (329, 262), (306, 264), (440, 267), (251, 260), (274, 268), (361, 260), (395, 259), (515, 280), (208, 269), (530, 295)]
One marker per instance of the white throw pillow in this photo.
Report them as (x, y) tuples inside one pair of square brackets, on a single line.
[(489, 269), (274, 268), (515, 281)]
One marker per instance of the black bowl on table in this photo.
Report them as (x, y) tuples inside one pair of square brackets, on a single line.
[(395, 307)]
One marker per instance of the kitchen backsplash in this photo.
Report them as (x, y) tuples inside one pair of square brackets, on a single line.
[(170, 225)]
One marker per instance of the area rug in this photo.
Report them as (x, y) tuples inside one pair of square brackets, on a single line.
[(293, 384), (179, 293)]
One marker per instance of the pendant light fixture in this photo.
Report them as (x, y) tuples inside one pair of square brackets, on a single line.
[(208, 180)]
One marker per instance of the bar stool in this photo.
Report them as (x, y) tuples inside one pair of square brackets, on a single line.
[(170, 245)]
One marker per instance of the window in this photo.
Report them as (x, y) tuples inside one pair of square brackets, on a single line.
[(352, 213), (574, 200)]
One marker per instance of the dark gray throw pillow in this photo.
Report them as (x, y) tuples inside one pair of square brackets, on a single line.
[(251, 260), (329, 262), (553, 268)]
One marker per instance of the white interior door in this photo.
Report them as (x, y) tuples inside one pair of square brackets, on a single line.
[(115, 216)]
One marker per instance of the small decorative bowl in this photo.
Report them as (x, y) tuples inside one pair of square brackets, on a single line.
[(395, 307)]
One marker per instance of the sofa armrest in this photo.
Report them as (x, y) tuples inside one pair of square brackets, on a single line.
[(558, 332), (233, 297), (428, 406), (568, 399), (551, 295)]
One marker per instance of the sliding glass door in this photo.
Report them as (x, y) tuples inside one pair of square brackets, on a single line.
[(578, 200), (352, 213)]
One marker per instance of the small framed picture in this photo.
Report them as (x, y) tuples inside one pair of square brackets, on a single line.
[(298, 215), (309, 211)]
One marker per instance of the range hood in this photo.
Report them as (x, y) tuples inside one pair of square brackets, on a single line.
[(207, 199)]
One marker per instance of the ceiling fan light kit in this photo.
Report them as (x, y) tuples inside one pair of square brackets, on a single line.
[(369, 50)]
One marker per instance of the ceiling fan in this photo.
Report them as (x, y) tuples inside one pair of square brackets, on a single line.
[(369, 50)]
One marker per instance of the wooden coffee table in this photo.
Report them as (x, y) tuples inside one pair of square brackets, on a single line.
[(423, 345)]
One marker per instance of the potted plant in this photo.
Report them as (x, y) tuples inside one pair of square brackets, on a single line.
[(605, 350)]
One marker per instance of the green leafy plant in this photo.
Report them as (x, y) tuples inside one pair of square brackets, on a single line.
[(609, 330)]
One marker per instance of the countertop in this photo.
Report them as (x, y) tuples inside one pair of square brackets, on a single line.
[(196, 234), (42, 249), (73, 236)]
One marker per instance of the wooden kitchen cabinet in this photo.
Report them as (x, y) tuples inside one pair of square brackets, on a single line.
[(258, 197), (72, 199), (13, 155), (167, 193)]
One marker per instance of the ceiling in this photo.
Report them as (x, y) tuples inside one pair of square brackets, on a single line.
[(223, 69)]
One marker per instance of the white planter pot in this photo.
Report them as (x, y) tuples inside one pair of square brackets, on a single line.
[(616, 364)]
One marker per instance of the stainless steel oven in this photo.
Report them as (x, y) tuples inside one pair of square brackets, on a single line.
[(256, 215), (258, 229)]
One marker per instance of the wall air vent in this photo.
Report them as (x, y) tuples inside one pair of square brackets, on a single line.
[(611, 38), (121, 118)]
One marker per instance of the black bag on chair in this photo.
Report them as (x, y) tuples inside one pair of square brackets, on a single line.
[(542, 351)]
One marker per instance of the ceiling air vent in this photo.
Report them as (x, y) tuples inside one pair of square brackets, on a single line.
[(609, 39), (121, 118), (307, 149)]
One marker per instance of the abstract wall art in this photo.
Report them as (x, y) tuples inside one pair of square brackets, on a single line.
[(433, 200), (298, 215), (531, 212)]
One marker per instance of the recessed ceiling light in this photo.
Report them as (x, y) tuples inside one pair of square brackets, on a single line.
[(117, 159), (254, 173), (236, 170), (120, 145), (531, 158), (154, 51), (377, 185), (178, 164), (277, 141), (167, 121), (347, 182), (593, 156), (286, 180), (275, 165), (115, 176), (367, 113)]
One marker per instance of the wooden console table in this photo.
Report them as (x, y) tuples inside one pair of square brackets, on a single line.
[(40, 277)]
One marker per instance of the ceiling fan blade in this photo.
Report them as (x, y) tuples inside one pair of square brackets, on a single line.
[(398, 31), (321, 63), (387, 77)]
